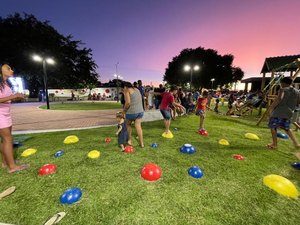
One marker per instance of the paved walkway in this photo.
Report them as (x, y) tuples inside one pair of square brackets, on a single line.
[(29, 118)]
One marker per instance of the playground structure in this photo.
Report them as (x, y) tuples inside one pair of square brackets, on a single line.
[(278, 66)]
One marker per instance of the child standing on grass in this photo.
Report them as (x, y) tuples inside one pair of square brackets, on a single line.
[(122, 130), (167, 101), (201, 108), (282, 111)]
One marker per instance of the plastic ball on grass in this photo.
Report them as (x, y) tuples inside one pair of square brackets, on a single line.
[(71, 139), (239, 157), (47, 169), (154, 145), (187, 149), (195, 172), (28, 152), (94, 154), (223, 142), (281, 185), (128, 149), (70, 196), (107, 140), (282, 135), (296, 165), (203, 132), (151, 172), (251, 136), (59, 154)]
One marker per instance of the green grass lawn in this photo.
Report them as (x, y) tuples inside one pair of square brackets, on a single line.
[(230, 192), (84, 106)]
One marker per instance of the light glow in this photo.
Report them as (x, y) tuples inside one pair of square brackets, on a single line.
[(50, 61), (37, 58), (187, 68)]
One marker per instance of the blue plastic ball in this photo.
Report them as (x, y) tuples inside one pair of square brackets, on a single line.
[(154, 145), (195, 172), (188, 149), (70, 196), (59, 153), (282, 135), (296, 165)]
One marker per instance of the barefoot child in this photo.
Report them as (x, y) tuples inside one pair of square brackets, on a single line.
[(167, 101), (201, 108), (6, 96), (282, 111), (122, 130)]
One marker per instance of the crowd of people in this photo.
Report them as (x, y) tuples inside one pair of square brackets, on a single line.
[(173, 102)]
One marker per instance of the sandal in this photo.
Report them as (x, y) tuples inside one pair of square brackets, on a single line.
[(7, 192), (271, 146), (56, 218)]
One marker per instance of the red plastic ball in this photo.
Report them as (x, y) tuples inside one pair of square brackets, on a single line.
[(107, 140), (203, 132), (47, 169), (128, 149), (151, 172), (239, 157)]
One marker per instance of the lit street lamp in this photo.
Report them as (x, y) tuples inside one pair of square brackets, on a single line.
[(50, 61), (189, 68), (212, 82)]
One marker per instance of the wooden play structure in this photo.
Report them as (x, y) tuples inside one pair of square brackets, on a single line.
[(277, 66)]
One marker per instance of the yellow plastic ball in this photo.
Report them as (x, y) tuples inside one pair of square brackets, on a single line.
[(94, 154), (71, 139), (281, 185), (28, 152), (223, 142), (251, 136)]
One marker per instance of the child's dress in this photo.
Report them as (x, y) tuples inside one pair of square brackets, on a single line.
[(5, 117), (123, 135)]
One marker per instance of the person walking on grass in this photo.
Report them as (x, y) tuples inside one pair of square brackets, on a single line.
[(122, 130), (202, 102), (133, 111), (166, 102), (6, 96), (281, 111)]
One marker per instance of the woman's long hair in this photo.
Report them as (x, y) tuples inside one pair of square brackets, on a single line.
[(126, 84), (2, 82)]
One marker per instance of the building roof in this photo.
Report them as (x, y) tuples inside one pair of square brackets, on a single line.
[(267, 79), (280, 64)]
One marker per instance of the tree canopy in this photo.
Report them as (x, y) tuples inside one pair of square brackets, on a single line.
[(212, 66), (23, 36)]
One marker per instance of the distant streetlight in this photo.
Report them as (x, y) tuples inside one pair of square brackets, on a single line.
[(117, 76), (212, 82), (50, 61), (189, 68)]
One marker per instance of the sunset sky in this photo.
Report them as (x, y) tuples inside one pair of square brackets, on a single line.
[(144, 35)]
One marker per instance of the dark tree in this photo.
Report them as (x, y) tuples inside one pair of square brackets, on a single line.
[(212, 65), (23, 36)]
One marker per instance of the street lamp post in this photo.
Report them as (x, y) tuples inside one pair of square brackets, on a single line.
[(44, 61), (191, 69), (117, 81), (212, 83)]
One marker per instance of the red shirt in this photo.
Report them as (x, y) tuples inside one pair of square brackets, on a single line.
[(167, 99), (202, 102)]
